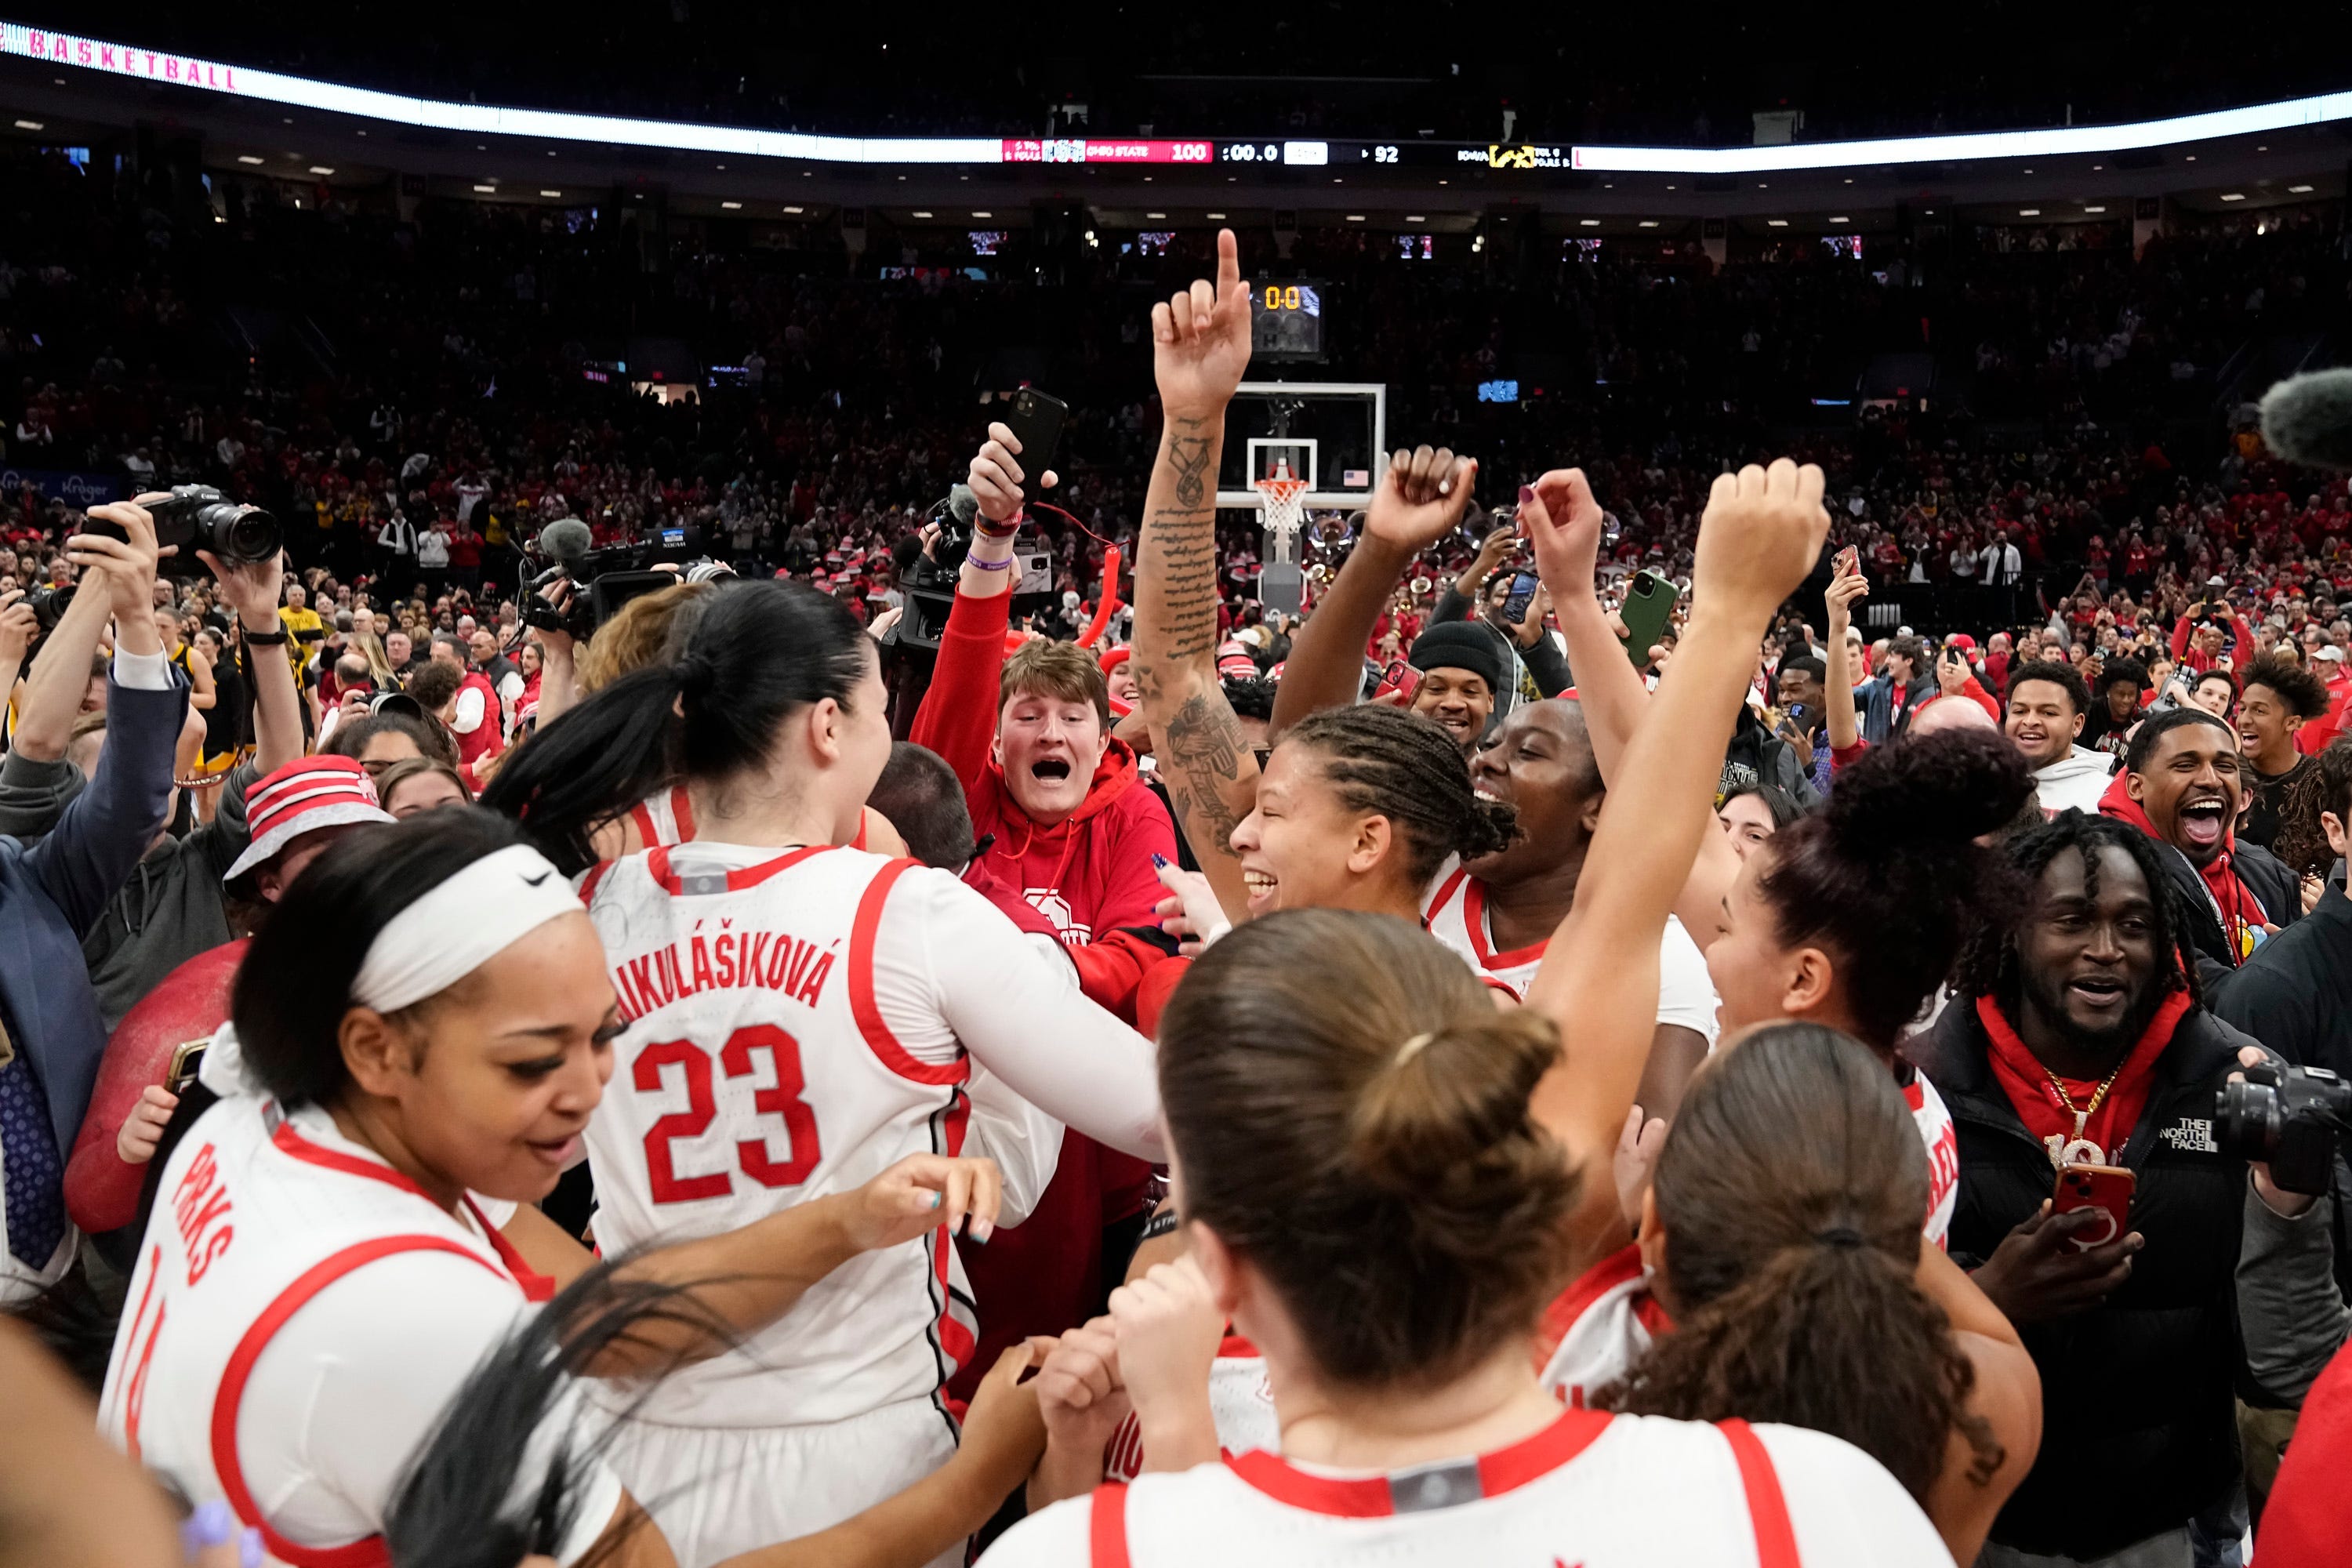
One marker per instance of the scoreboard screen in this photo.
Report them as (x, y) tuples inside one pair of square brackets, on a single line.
[(1286, 321)]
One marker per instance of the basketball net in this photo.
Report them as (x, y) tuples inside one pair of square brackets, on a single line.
[(1282, 509)]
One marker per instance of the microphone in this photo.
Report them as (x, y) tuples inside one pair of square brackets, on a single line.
[(964, 503), (2308, 419), (565, 541)]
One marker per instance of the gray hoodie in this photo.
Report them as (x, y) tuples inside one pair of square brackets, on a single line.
[(2077, 779)]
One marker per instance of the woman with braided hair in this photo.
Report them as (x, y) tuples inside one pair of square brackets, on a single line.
[(1357, 809)]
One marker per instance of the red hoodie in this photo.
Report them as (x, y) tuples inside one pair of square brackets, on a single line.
[(1089, 874), (2240, 911)]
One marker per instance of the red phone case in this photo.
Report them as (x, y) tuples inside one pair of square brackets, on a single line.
[(2107, 1188)]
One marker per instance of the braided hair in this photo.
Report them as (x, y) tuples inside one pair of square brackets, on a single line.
[(1383, 761), (1990, 966)]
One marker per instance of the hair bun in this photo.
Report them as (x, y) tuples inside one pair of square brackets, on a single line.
[(1448, 1098), (1956, 785)]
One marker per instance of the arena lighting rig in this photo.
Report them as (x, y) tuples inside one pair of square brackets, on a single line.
[(111, 58)]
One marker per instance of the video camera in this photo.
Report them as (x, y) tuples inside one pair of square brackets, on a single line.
[(929, 582), (2293, 1119), (603, 579)]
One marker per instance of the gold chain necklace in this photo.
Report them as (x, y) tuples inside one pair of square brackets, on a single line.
[(2083, 1116)]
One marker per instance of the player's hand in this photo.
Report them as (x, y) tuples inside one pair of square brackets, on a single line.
[(2035, 1275), (921, 1193), (135, 1143), (996, 475), (126, 567), (1005, 1432), (1758, 537), (1422, 498), (18, 627), (1169, 1325), (1190, 912), (1562, 523), (1200, 340), (1080, 1394), (1635, 1157), (211, 1537)]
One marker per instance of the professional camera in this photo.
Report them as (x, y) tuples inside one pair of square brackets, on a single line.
[(2291, 1119), (603, 580), (198, 517), (49, 605)]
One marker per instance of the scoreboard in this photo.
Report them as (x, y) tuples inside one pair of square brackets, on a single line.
[(1286, 321), (1274, 153)]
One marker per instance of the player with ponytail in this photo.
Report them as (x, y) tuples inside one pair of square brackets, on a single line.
[(800, 1013), (1781, 1232)]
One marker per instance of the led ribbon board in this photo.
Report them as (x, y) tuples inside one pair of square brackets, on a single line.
[(110, 58)]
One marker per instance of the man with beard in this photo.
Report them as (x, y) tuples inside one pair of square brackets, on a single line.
[(2182, 783), (2079, 1038), (1498, 912)]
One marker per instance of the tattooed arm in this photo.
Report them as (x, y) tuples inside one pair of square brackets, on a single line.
[(1201, 345)]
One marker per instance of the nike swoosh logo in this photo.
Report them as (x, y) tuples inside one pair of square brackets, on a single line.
[(535, 881)]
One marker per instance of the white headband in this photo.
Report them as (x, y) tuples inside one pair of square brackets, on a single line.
[(461, 925)]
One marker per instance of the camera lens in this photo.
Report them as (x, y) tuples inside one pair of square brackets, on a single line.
[(2246, 1121), (242, 536)]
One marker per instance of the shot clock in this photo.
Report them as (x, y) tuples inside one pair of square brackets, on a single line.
[(1286, 321)]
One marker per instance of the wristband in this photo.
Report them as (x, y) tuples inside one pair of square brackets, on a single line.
[(980, 524), (1164, 1223), (977, 564), (265, 639)]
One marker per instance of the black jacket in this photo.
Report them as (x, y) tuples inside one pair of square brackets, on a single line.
[(2295, 994), (2272, 880), (2139, 1425)]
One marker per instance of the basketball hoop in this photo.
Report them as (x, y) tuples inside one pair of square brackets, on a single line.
[(1282, 507)]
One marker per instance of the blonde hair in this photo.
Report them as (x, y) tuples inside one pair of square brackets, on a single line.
[(637, 636)]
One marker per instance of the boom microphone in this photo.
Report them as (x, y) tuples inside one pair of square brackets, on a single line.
[(964, 503), (2308, 419), (565, 541)]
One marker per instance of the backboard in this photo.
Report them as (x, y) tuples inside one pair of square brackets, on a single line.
[(1333, 435)]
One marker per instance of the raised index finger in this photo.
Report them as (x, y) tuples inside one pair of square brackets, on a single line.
[(1229, 264)]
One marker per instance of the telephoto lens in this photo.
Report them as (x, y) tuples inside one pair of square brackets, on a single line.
[(2290, 1120), (198, 517)]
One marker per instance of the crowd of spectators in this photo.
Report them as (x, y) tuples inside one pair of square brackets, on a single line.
[(2152, 609)]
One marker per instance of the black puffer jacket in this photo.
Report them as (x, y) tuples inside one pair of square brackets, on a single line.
[(2139, 1429)]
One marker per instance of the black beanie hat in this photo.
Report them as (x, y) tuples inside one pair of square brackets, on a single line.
[(1459, 645)]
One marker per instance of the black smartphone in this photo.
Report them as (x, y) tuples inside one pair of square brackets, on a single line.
[(1036, 421), (1523, 593)]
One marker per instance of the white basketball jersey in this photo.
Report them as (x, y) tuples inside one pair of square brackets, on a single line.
[(1596, 1329), (1456, 914), (1590, 1490), (755, 1072), (664, 818), (1240, 1398), (252, 1220), (1933, 1121)]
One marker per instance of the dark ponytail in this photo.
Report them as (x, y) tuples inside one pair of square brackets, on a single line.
[(1350, 1110), (758, 651), (463, 1502), (1399, 765), (1888, 874), (1791, 1190)]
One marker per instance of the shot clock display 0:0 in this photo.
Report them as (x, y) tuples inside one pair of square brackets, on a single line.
[(1286, 320)]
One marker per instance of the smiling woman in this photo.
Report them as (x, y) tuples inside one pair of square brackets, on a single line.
[(423, 1029)]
